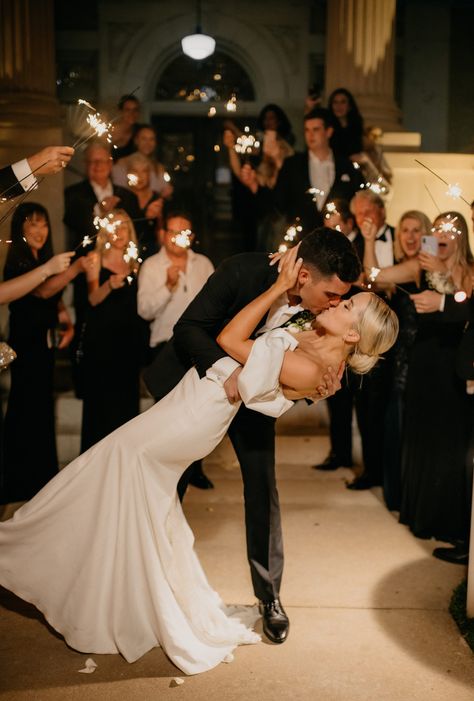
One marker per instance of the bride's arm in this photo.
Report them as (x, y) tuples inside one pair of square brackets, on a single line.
[(298, 372), (235, 336)]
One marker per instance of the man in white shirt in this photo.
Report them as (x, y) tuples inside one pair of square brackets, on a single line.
[(168, 282)]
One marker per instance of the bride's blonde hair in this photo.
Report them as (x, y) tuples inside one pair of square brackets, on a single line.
[(378, 330)]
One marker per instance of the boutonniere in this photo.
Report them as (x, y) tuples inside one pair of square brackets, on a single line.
[(345, 178), (302, 322)]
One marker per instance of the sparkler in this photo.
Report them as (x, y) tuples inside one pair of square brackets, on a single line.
[(212, 112), (432, 198), (108, 223), (98, 125), (2, 194), (453, 191), (166, 177), (315, 191), (19, 200), (290, 236), (231, 104), (246, 143), (447, 226), (183, 238), (132, 179)]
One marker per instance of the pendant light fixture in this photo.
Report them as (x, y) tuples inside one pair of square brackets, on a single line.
[(198, 46)]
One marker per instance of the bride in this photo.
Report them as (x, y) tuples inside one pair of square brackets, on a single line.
[(104, 550)]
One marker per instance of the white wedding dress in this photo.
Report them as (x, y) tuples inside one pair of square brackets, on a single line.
[(104, 550)]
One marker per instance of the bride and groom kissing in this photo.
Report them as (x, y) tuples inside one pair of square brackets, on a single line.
[(132, 580)]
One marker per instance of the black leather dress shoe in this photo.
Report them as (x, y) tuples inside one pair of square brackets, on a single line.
[(201, 481), (359, 483), (458, 555), (275, 621), (332, 462)]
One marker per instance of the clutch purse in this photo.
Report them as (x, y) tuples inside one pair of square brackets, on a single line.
[(7, 355)]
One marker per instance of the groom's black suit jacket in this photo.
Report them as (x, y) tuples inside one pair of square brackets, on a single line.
[(234, 284)]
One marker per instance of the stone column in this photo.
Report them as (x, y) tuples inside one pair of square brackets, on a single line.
[(29, 109), (360, 57)]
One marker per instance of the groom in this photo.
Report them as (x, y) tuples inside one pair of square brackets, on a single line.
[(329, 267)]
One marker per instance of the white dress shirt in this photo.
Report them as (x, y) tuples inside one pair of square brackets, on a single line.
[(22, 172), (160, 306), (384, 249), (101, 193), (321, 176)]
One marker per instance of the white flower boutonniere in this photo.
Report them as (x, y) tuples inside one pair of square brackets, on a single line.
[(302, 322), (440, 282)]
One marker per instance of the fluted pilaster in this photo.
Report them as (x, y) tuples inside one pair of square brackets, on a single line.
[(360, 56)]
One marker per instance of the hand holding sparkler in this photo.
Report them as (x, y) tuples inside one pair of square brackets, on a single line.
[(368, 230), (58, 263), (50, 160)]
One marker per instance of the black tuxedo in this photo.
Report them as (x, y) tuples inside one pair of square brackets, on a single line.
[(9, 182), (235, 283), (290, 196)]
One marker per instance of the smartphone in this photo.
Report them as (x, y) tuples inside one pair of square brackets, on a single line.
[(429, 244)]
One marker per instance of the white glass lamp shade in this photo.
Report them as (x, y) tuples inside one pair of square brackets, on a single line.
[(198, 46)]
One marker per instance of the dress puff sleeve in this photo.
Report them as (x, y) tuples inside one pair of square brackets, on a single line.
[(259, 383)]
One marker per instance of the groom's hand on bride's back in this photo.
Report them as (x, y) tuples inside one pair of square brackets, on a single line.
[(231, 386)]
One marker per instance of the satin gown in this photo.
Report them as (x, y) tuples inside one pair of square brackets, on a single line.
[(104, 550)]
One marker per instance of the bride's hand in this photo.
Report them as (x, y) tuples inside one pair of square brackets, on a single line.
[(289, 268)]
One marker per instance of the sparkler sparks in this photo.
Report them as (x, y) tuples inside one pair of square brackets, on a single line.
[(453, 191), (131, 252), (447, 226), (108, 223), (246, 143), (290, 236), (132, 179), (231, 104), (183, 238)]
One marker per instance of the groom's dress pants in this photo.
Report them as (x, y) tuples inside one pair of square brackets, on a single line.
[(253, 437)]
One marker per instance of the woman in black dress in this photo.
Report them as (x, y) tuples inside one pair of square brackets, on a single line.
[(348, 133), (114, 339), (30, 458), (436, 423), (411, 227)]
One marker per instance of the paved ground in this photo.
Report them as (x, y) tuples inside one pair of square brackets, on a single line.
[(367, 603)]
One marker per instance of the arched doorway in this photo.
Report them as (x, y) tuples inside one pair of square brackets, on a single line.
[(191, 147)]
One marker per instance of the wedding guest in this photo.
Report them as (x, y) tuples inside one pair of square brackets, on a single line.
[(125, 127), (308, 180), (113, 339), (20, 177), (38, 323), (371, 398), (168, 282), (150, 203), (346, 140), (408, 234), (437, 422), (145, 142), (96, 195), (277, 139), (337, 215)]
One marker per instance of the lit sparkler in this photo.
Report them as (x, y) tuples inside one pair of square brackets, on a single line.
[(315, 191), (447, 226), (246, 143), (99, 126), (183, 239), (108, 223), (231, 104), (453, 191), (131, 252), (291, 234), (132, 179), (166, 177), (212, 112)]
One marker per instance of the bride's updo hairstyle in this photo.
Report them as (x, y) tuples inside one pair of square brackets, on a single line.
[(378, 329)]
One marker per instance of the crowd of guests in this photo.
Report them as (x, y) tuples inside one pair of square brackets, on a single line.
[(134, 272)]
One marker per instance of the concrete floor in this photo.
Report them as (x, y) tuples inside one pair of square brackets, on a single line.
[(367, 604)]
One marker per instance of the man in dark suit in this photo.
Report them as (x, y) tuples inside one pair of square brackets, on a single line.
[(329, 266), (20, 177), (96, 195), (308, 180)]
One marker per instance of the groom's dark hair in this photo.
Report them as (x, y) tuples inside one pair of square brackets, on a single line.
[(329, 252)]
